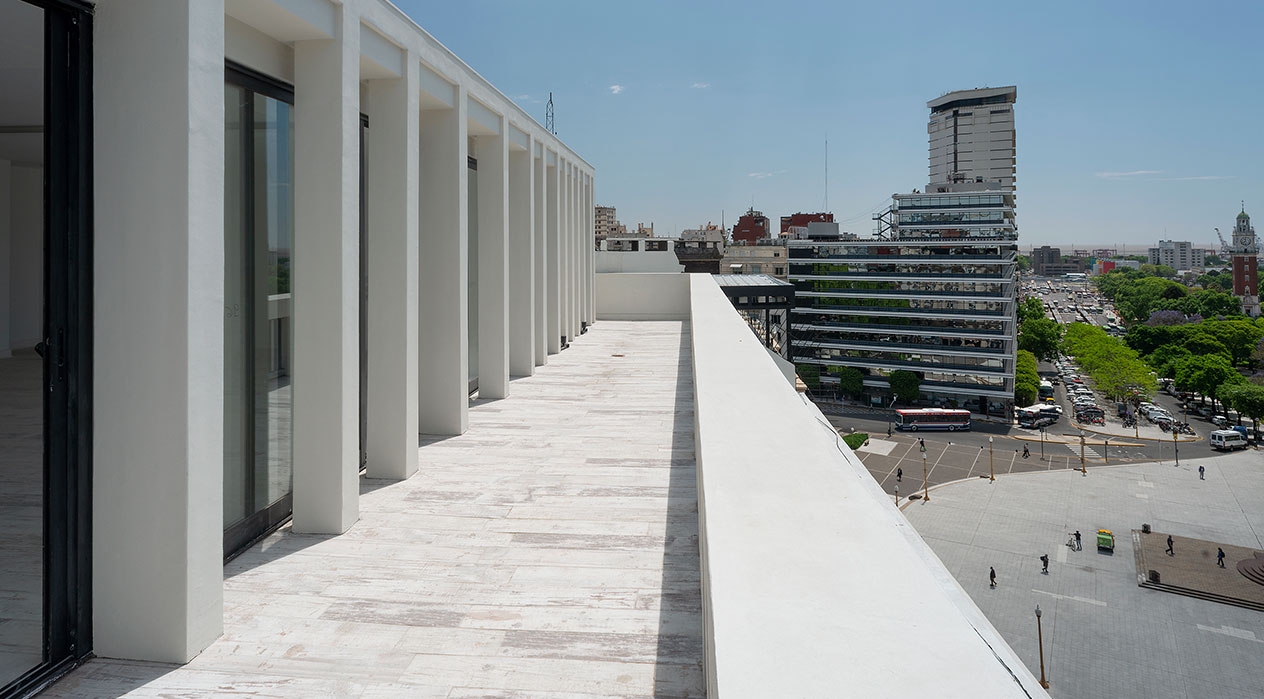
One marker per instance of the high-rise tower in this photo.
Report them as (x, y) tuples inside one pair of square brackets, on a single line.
[(972, 137)]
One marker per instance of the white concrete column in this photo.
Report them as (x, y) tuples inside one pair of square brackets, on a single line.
[(590, 246), (443, 320), (539, 254), (392, 248), (522, 265), (158, 346), (6, 261), (492, 153), (327, 279), (572, 258), (564, 248), (553, 178)]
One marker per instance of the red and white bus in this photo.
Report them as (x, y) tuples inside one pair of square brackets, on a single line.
[(932, 419)]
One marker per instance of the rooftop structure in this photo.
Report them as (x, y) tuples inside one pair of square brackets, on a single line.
[(972, 137), (751, 226), (1180, 255)]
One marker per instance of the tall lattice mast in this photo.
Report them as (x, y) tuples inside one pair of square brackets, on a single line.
[(548, 117)]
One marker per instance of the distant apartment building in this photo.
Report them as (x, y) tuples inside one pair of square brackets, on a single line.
[(972, 137), (764, 257), (753, 225), (936, 295), (605, 225), (1043, 256), (801, 220), (701, 249), (1177, 254)]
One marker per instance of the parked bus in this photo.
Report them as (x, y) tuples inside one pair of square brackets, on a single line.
[(932, 419), (1046, 390)]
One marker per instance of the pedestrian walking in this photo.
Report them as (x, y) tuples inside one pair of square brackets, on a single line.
[(1170, 552), (991, 577), (1219, 556), (1044, 560), (1200, 473), (1078, 546), (899, 475), (921, 442), (1026, 452)]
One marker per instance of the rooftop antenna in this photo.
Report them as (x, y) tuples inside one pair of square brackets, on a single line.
[(548, 116), (827, 173)]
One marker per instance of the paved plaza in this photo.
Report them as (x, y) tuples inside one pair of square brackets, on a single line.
[(1104, 636)]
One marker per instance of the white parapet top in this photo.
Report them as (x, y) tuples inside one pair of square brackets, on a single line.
[(814, 584)]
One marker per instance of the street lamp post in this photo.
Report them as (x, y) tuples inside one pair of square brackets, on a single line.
[(991, 470), (1106, 450), (1176, 450), (897, 495), (1083, 470), (1042, 443), (1040, 639)]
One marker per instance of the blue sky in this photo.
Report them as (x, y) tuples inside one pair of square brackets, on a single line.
[(1135, 121)]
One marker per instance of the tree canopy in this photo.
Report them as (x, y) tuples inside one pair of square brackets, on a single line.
[(1026, 379), (1041, 337), (1207, 374), (851, 382), (1115, 368), (906, 385)]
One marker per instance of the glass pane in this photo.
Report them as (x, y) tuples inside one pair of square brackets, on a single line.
[(237, 466), (258, 248), (274, 214), (472, 288), (22, 429)]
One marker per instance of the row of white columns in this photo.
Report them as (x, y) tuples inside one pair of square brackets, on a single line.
[(158, 451)]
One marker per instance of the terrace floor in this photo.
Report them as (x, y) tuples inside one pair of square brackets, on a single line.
[(552, 550)]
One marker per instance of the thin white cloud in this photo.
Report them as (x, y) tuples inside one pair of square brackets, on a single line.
[(762, 175), (701, 86), (1196, 178), (616, 89), (1131, 173)]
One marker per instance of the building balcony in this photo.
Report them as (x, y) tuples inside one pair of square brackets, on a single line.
[(825, 326), (892, 311), (1008, 258), (923, 277), (615, 527), (833, 341), (891, 363), (912, 294)]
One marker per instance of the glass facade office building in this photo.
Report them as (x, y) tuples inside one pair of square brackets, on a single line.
[(935, 294)]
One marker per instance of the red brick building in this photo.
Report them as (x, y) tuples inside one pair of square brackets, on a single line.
[(802, 220), (752, 226)]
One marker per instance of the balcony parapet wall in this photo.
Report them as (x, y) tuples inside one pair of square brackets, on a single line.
[(814, 584)]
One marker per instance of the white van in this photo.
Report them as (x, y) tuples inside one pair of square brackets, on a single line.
[(1227, 440)]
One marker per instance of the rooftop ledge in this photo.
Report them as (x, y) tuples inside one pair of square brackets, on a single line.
[(813, 583)]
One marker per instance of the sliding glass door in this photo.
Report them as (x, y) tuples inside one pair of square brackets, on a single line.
[(45, 341), (258, 248), (472, 267)]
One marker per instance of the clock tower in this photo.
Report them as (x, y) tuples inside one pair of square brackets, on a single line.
[(1246, 276)]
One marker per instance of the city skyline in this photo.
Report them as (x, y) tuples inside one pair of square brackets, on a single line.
[(1135, 121)]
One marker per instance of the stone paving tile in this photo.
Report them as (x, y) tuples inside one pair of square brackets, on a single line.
[(1104, 636), (551, 551)]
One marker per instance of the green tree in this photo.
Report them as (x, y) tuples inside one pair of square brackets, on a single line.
[(1239, 336), (1199, 342), (851, 382), (1247, 399), (1030, 309), (906, 385), (1026, 379), (1207, 374), (1116, 368), (1024, 263), (1164, 359), (1041, 337)]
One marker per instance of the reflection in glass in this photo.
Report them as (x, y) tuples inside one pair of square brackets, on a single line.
[(258, 240), (22, 428)]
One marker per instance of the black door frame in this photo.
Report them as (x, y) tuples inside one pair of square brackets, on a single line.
[(67, 344), (241, 535)]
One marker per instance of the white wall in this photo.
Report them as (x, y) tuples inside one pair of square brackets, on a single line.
[(642, 296), (812, 579), (641, 261)]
